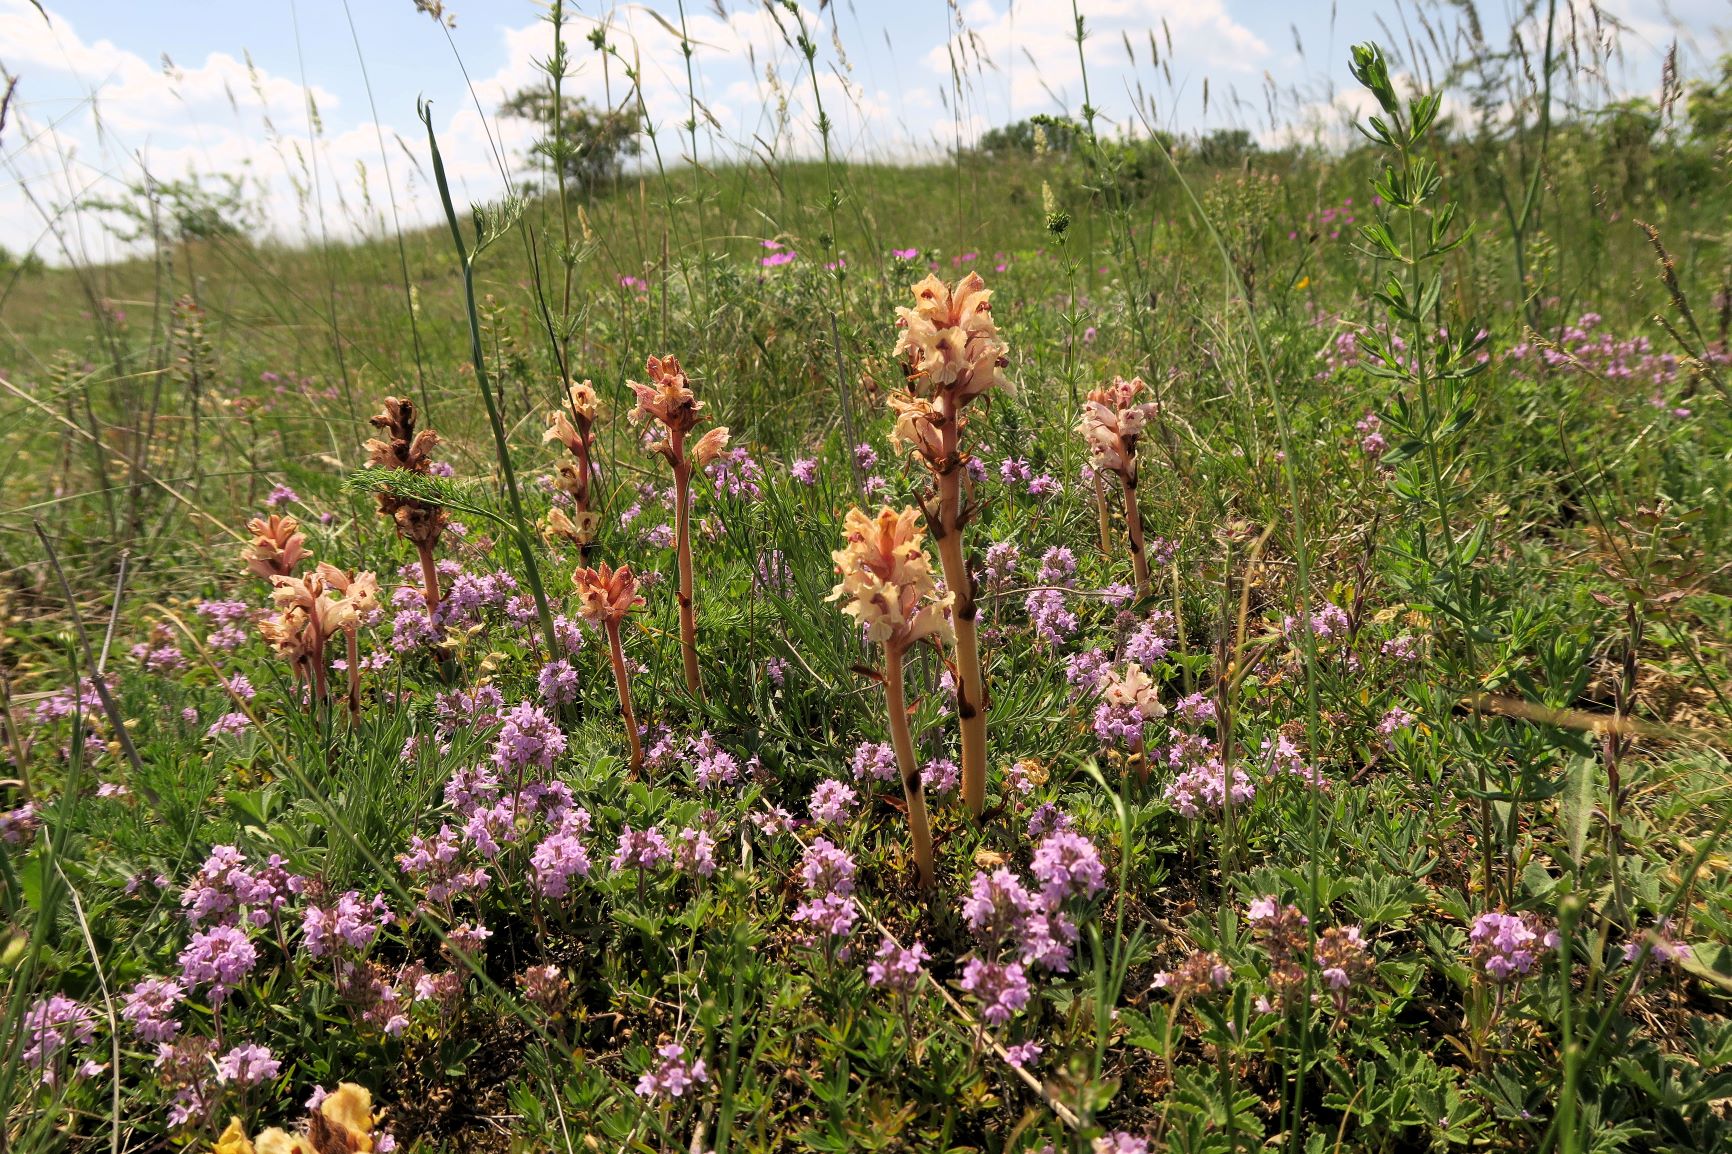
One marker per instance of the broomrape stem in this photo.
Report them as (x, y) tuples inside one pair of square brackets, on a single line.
[(429, 578), (623, 680), (688, 607), (354, 676), (1134, 526), (1105, 515), (913, 791), (970, 687)]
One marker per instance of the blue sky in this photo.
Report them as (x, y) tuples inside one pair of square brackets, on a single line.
[(110, 88)]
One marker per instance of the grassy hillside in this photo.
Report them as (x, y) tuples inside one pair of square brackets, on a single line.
[(1342, 539)]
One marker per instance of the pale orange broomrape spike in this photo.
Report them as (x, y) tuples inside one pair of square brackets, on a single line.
[(605, 596), (952, 353), (669, 400), (277, 546), (310, 618), (1131, 687), (419, 523), (361, 594), (1112, 422), (887, 586), (573, 426)]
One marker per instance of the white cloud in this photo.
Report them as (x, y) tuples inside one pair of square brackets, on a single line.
[(1026, 54)]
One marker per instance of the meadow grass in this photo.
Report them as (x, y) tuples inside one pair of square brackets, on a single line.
[(1384, 810)]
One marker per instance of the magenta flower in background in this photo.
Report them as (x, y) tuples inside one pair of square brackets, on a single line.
[(280, 496)]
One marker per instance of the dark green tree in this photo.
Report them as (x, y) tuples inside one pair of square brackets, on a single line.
[(592, 143)]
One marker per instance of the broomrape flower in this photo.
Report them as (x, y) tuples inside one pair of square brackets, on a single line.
[(403, 447), (887, 586), (605, 596), (277, 547), (670, 402), (951, 353), (359, 606), (1112, 423), (572, 425)]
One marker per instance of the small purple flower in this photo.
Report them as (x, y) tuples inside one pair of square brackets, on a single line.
[(350, 922), (562, 856), (874, 761), (280, 496), (640, 849), (53, 1024), (1506, 947), (229, 724), (696, 853), (150, 1007), (246, 1065), (557, 682), (1068, 865), (996, 903), (220, 957), (832, 802), (1001, 989), (1046, 819), (19, 826), (528, 737), (1023, 1056), (827, 869), (805, 470), (897, 968), (831, 916), (670, 1074), (940, 776)]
